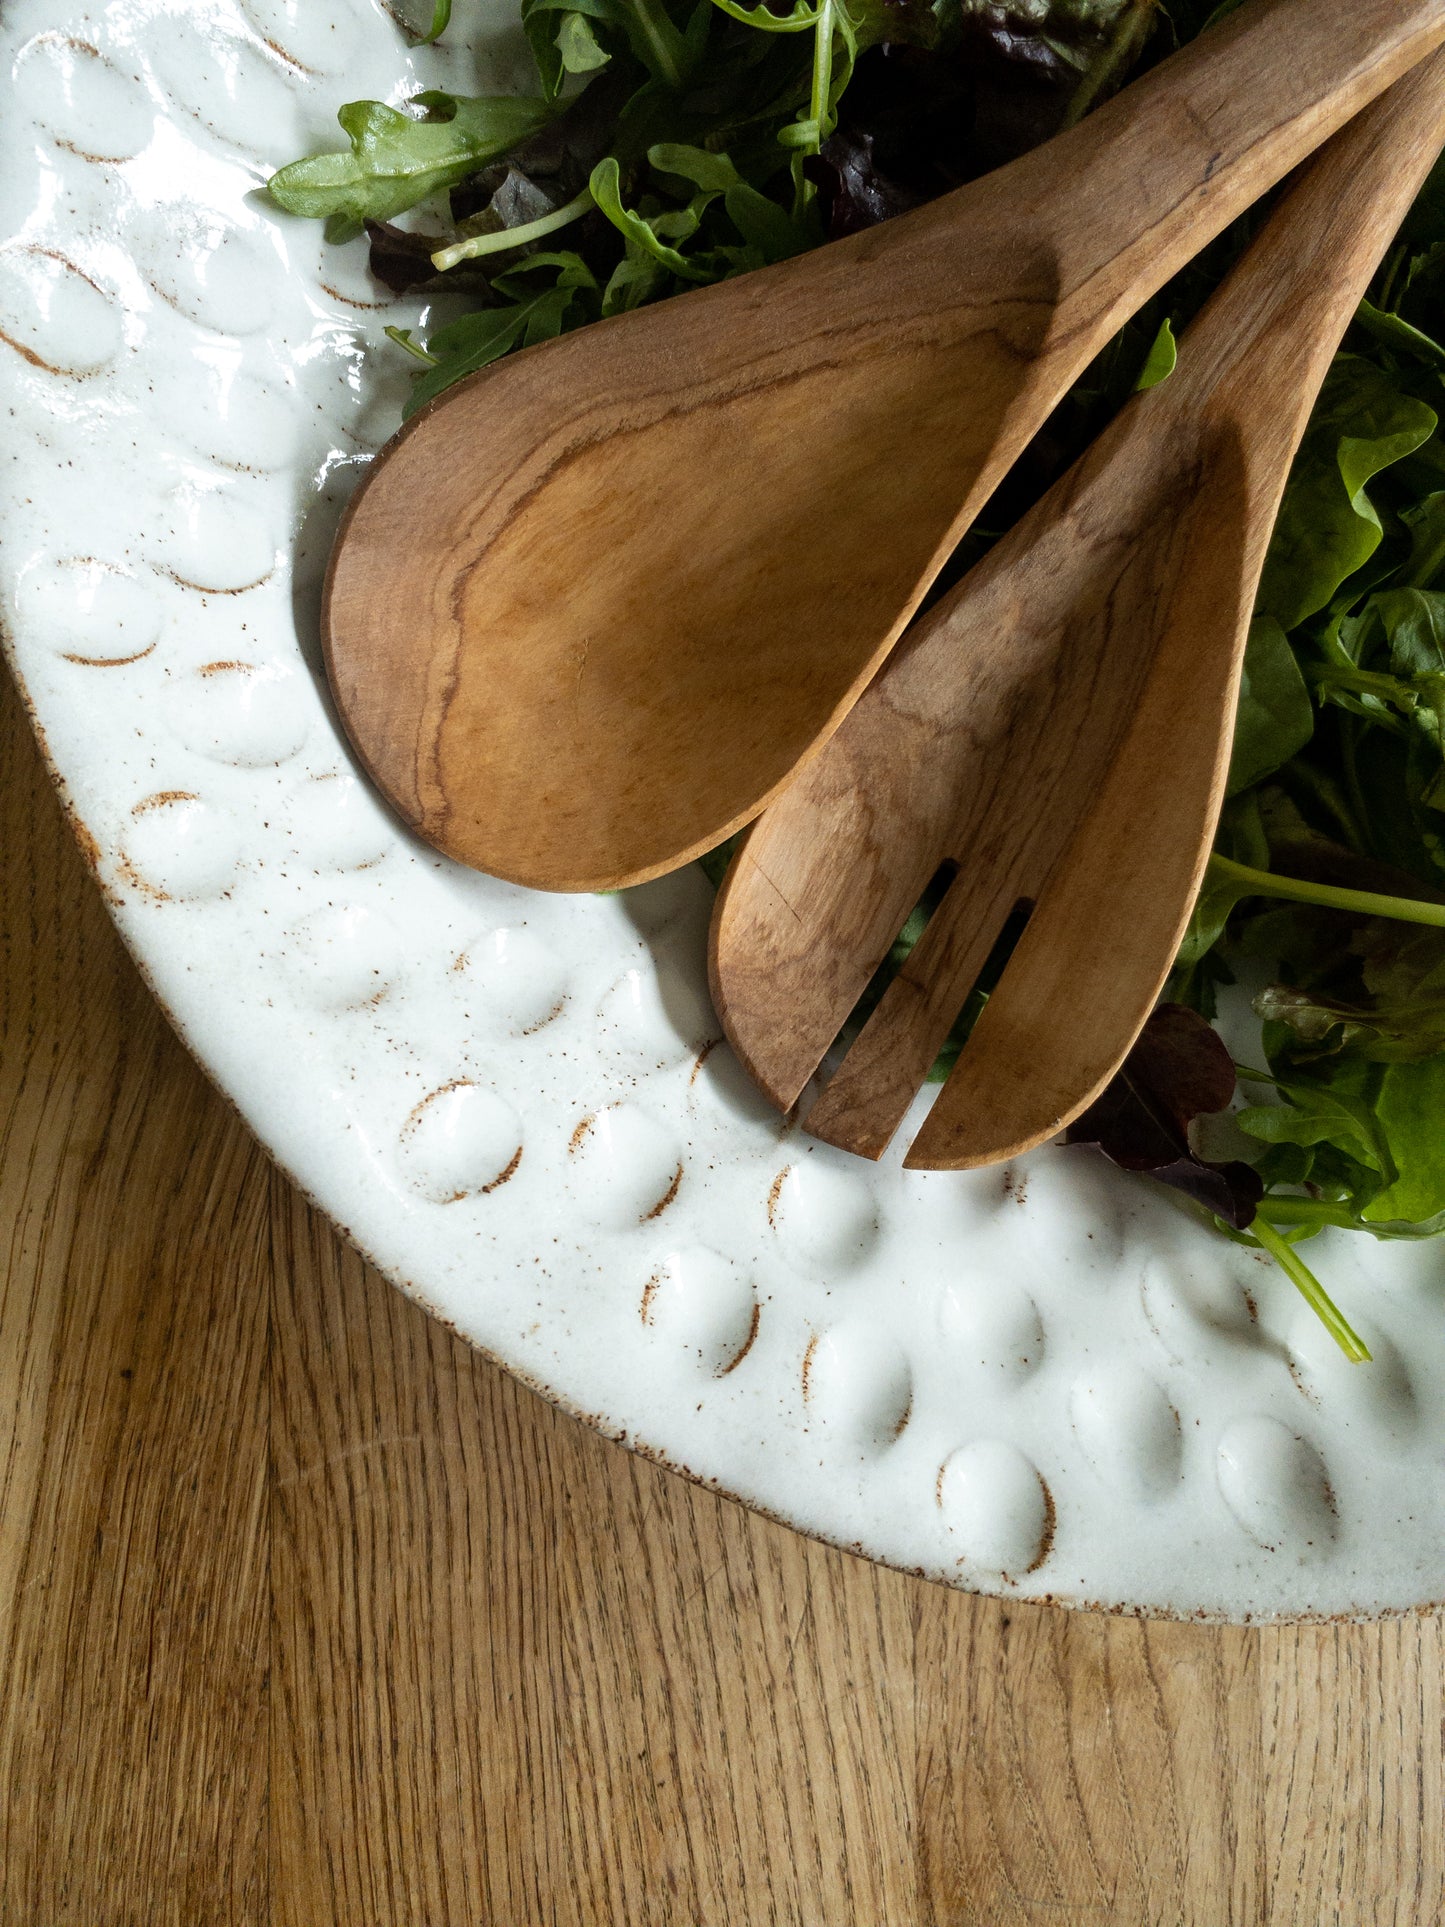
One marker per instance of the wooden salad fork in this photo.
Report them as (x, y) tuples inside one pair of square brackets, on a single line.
[(590, 609), (1058, 728)]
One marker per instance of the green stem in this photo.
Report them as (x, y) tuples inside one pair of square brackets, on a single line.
[(441, 19), (1306, 1211), (822, 69), (402, 338), (1363, 903), (1312, 1291), (1360, 682), (513, 237)]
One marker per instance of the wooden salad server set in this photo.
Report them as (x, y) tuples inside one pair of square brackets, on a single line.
[(599, 605), (590, 610), (1058, 728)]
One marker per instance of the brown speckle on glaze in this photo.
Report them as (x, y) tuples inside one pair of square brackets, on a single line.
[(161, 799), (666, 1199), (1051, 1524), (775, 1191), (504, 1176), (808, 1365), (106, 662), (747, 1343)]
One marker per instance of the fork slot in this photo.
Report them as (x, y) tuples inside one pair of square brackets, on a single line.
[(868, 1096)]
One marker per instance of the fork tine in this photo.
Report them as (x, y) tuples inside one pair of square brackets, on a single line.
[(869, 1094), (1071, 1001), (807, 912), (823, 881)]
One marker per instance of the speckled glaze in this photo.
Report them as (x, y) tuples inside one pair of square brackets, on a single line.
[(1042, 1380)]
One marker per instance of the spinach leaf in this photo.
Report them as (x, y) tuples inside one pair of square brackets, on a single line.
[(1425, 522), (1328, 528), (1275, 718), (1410, 1105), (1393, 331)]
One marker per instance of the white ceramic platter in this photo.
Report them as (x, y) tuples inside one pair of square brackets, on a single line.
[(1044, 1380)]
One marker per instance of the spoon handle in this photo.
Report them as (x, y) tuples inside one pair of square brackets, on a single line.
[(1160, 170), (1266, 337)]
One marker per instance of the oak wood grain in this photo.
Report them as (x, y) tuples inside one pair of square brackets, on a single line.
[(590, 609), (308, 1616), (1058, 728)]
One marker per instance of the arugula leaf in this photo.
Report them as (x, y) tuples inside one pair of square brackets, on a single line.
[(396, 160), (763, 224), (532, 315), (670, 55), (578, 46), (559, 29), (1328, 528), (647, 233), (1379, 1157)]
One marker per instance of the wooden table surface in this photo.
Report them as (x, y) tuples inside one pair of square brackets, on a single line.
[(309, 1616)]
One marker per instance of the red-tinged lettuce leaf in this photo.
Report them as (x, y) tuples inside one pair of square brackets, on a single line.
[(1178, 1070), (402, 261), (853, 191)]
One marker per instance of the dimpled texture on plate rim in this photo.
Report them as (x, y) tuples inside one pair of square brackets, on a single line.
[(1042, 1381)]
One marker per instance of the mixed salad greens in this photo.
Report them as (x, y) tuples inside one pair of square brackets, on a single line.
[(672, 143)]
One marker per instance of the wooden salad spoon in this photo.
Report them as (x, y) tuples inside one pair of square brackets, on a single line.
[(589, 609), (1057, 730)]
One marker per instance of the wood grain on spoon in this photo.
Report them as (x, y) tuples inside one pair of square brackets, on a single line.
[(1059, 726), (591, 608)]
